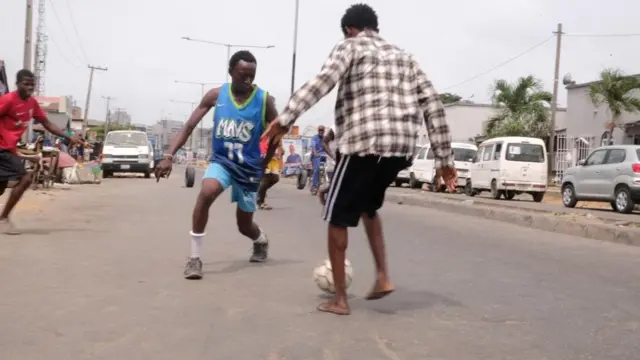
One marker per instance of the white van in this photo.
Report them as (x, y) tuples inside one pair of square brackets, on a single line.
[(508, 166), (404, 176), (423, 169), (127, 151)]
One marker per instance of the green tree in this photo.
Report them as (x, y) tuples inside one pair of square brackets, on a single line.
[(523, 109), (449, 98), (615, 90)]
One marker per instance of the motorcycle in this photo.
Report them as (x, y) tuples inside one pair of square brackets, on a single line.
[(305, 173)]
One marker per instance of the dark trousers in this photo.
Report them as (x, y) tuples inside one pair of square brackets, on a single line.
[(268, 180)]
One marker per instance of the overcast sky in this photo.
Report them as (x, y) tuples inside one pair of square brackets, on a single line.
[(139, 41)]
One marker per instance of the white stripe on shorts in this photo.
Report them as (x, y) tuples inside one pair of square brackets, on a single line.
[(334, 188)]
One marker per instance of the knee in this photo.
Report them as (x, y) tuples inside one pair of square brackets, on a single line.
[(207, 196)]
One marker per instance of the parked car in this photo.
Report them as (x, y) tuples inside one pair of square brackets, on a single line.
[(609, 174), (404, 176), (508, 166), (423, 169)]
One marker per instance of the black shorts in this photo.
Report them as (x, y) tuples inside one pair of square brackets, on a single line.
[(11, 167), (358, 186)]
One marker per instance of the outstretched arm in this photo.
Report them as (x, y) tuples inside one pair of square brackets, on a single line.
[(315, 89), (435, 120), (207, 102), (331, 136)]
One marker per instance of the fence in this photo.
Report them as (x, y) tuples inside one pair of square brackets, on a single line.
[(570, 150)]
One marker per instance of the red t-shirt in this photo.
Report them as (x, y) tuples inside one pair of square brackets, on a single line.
[(15, 115)]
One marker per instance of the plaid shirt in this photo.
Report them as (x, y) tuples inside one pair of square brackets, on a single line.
[(382, 100)]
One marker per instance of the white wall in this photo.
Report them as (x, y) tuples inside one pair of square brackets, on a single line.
[(585, 119), (467, 120)]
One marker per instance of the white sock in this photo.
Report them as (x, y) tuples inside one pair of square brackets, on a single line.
[(262, 239), (196, 244)]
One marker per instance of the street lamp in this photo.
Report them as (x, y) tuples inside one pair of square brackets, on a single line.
[(229, 46), (202, 85), (193, 105)]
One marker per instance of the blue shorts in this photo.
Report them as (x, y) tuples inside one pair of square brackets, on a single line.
[(246, 199)]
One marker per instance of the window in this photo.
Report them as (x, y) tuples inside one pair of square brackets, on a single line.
[(478, 155), (596, 158), (486, 156), (421, 154), (496, 154), (616, 156), (126, 139), (430, 154), (460, 154), (525, 152)]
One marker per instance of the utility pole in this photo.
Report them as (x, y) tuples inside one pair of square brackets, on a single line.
[(26, 59), (28, 34), (554, 101), (295, 47), (86, 107), (107, 118)]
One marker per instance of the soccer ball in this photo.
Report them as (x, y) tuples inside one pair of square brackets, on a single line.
[(323, 277)]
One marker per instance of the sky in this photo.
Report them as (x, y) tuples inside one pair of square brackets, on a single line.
[(456, 43)]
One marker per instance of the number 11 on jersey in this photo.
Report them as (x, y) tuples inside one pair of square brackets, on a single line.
[(235, 151)]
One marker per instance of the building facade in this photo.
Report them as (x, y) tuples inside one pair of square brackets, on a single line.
[(584, 119), (467, 121)]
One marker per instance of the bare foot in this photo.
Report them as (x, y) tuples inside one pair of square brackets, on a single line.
[(334, 308), (380, 290)]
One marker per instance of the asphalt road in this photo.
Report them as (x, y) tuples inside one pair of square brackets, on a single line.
[(98, 275)]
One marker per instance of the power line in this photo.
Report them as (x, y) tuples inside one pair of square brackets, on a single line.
[(501, 64), (604, 35), (75, 28), (55, 13), (64, 57)]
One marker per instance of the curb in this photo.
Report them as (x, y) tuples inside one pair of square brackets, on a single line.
[(540, 221)]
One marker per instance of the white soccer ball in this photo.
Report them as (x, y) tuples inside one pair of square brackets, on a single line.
[(323, 277)]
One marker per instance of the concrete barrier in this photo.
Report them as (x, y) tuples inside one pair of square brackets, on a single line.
[(563, 223)]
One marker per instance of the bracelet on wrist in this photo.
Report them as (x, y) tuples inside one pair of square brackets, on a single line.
[(167, 156)]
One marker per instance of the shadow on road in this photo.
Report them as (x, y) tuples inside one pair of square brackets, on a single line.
[(406, 300), (48, 231), (238, 265)]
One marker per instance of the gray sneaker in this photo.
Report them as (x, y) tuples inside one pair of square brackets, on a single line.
[(193, 269), (260, 252), (7, 228)]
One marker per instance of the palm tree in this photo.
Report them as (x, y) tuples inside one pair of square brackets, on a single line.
[(616, 91), (523, 108)]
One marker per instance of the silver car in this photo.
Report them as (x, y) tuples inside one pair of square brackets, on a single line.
[(609, 174)]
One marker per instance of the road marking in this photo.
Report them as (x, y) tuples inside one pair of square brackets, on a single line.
[(390, 354)]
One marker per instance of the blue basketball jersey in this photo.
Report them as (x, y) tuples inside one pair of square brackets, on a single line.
[(237, 129)]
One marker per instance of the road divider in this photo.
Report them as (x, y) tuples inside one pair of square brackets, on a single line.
[(588, 226)]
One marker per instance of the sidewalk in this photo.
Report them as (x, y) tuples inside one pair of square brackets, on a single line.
[(552, 203)]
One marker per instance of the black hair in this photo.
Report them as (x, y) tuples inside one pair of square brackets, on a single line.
[(359, 16), (243, 55), (24, 74)]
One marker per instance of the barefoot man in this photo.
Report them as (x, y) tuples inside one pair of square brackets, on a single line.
[(382, 100)]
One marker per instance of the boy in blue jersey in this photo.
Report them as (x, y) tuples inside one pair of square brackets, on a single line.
[(241, 113)]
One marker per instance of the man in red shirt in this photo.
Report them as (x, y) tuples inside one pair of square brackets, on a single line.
[(17, 109)]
